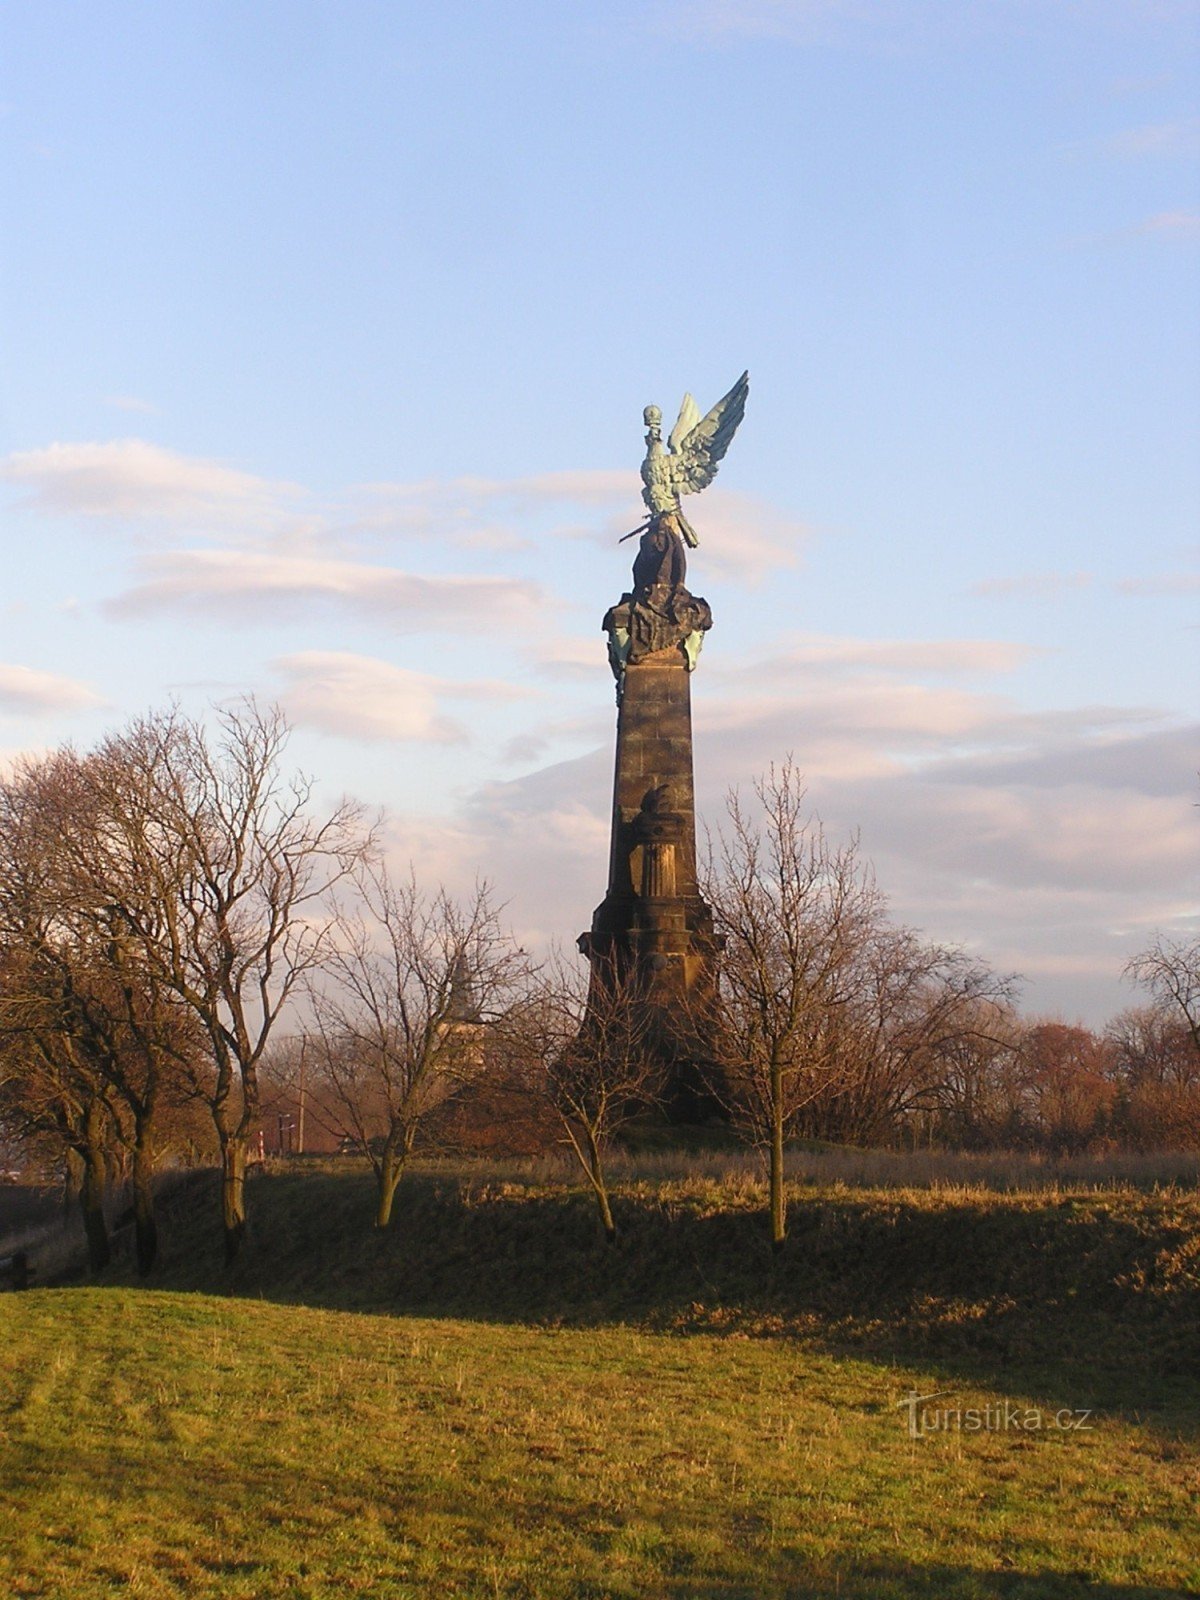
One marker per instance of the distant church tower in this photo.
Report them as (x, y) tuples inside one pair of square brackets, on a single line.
[(653, 931)]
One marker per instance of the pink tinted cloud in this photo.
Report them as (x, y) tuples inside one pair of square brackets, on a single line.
[(24, 690), (363, 697), (239, 585), (131, 479)]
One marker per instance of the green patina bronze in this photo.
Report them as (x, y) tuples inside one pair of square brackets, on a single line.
[(693, 453), (659, 613)]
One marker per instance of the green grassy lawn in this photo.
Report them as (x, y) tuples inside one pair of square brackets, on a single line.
[(487, 1401), (164, 1444)]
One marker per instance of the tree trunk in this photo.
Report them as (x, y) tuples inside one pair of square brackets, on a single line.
[(391, 1170), (116, 1168), (596, 1172), (233, 1193), (144, 1222), (92, 1191), (72, 1185), (778, 1199), (606, 1216), (396, 1151)]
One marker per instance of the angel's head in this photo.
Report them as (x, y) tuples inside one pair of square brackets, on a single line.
[(652, 417)]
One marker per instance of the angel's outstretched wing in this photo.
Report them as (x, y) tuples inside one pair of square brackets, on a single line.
[(689, 416), (702, 449)]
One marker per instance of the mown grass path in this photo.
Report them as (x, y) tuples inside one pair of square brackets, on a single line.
[(171, 1444)]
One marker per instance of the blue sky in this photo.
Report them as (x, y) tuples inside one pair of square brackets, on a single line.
[(327, 331)]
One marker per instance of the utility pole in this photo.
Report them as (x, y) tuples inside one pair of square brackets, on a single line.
[(300, 1112)]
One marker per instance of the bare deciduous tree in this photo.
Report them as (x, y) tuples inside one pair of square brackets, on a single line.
[(53, 1046), (913, 1007), (979, 1094), (104, 1002), (589, 1039), (831, 1016), (1157, 1070), (413, 988), (213, 863), (1070, 1084), (795, 913), (53, 1091), (1170, 969)]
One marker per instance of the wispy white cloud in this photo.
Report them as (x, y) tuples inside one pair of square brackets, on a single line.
[(905, 23), (1181, 225), (890, 716), (853, 705), (1031, 585), (139, 488), (1071, 836), (559, 734), (859, 706), (1098, 800), (130, 480), (242, 586), (943, 657), (1166, 227), (542, 840), (743, 536), (24, 690), (131, 402), (1055, 585), (1166, 583), (569, 655), (362, 697), (1166, 139), (797, 21), (570, 486), (490, 513), (841, 726)]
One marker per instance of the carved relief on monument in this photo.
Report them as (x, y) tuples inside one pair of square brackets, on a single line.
[(659, 831)]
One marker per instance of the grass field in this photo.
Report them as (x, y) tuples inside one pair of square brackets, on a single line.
[(513, 1410), (163, 1444)]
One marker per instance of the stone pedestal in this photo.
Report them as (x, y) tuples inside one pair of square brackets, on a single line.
[(653, 930)]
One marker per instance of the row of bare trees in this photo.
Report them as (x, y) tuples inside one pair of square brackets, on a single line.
[(842, 1026), (173, 900), (168, 897), (159, 905), (1052, 1087), (834, 1018), (835, 1023)]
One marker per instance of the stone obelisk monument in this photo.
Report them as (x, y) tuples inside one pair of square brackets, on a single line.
[(653, 932)]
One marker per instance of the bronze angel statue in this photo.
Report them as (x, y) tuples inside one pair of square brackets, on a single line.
[(689, 463)]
